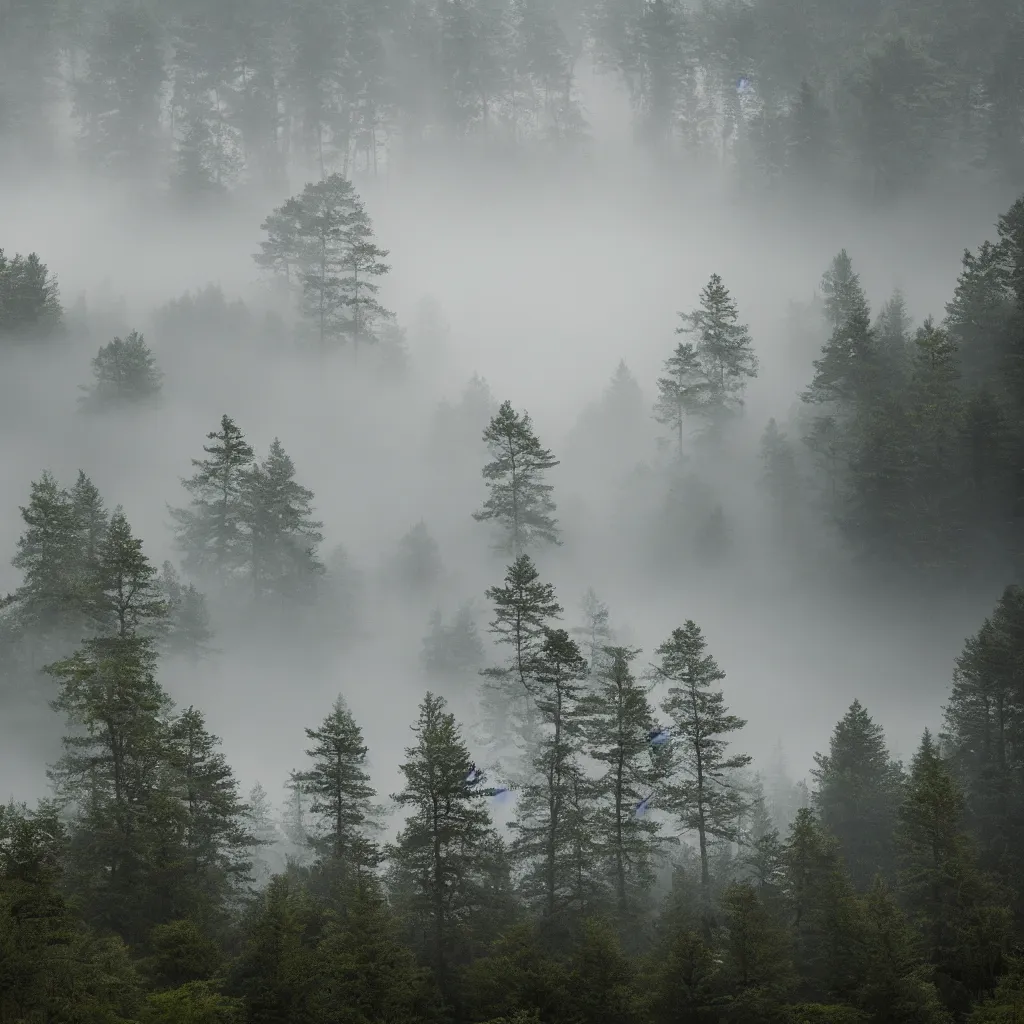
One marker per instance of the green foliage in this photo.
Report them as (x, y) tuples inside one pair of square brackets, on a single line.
[(196, 1002), (859, 789), (519, 501), (29, 299), (125, 371)]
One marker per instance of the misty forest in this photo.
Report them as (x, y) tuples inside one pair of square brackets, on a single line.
[(512, 512)]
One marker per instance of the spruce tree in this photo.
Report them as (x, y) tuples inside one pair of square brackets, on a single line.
[(544, 840), (859, 789), (440, 845), (617, 723), (216, 841), (127, 590), (683, 391), (210, 532), (282, 536), (125, 372), (723, 347), (702, 790), (113, 774), (339, 794), (892, 329), (519, 502)]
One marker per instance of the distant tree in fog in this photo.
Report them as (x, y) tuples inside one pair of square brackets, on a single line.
[(189, 630), (29, 298), (455, 649), (125, 371), (723, 347), (682, 392), (322, 242), (210, 531), (520, 502), (418, 561), (281, 535), (595, 634)]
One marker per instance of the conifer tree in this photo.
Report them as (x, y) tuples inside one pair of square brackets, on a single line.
[(282, 536), (92, 522), (617, 725), (892, 329), (440, 845), (954, 905), (216, 839), (112, 774), (49, 599), (259, 820), (188, 627), (723, 347), (29, 299), (859, 789), (779, 474), (323, 240), (683, 391), (519, 502), (338, 789), (210, 532), (595, 634), (127, 590), (295, 823), (125, 372), (544, 840), (456, 649), (418, 561), (702, 790)]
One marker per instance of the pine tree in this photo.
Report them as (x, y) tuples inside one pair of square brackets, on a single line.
[(259, 821), (892, 329), (618, 722), (29, 299), (50, 598), (859, 788), (453, 650), (216, 841), (418, 561), (442, 839), (780, 477), (323, 240), (702, 789), (523, 609), (519, 501), (282, 535), (295, 820), (339, 793), (543, 839), (683, 391), (125, 372), (723, 347), (92, 522), (210, 532), (595, 635), (113, 775), (188, 627), (127, 590), (954, 905)]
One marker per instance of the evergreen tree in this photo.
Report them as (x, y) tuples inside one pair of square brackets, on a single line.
[(92, 522), (953, 903), (523, 609), (127, 590), (617, 726), (188, 627), (683, 391), (780, 477), (112, 774), (259, 820), (282, 535), (340, 796), (418, 562), (456, 649), (323, 240), (544, 839), (442, 840), (125, 372), (702, 789), (892, 329), (214, 853), (595, 635), (723, 347), (859, 788), (29, 299), (210, 532), (520, 502)]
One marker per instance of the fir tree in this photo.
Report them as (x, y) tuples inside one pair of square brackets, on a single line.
[(858, 794), (339, 793), (520, 502), (702, 790), (683, 391), (618, 723), (723, 347), (441, 842), (543, 839), (210, 532), (127, 590), (125, 372), (282, 535), (92, 522)]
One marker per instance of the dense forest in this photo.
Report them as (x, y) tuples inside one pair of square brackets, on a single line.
[(522, 702)]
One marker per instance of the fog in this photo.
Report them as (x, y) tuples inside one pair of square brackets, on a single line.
[(547, 278)]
